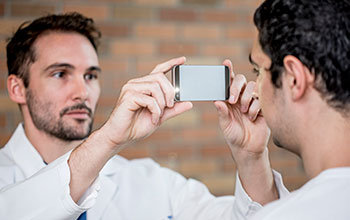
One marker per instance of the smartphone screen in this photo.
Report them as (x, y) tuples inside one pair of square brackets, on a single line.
[(201, 82)]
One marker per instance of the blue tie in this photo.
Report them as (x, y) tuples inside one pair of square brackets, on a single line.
[(82, 216)]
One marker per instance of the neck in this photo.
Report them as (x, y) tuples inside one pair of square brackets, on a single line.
[(326, 143), (49, 147)]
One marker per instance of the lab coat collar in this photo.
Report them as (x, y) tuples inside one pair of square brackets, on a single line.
[(24, 153)]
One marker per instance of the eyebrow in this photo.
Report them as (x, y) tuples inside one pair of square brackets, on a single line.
[(69, 66), (252, 61)]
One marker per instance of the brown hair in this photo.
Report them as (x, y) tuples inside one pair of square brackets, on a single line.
[(20, 51)]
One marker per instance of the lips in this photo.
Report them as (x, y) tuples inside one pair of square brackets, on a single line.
[(78, 114), (78, 111)]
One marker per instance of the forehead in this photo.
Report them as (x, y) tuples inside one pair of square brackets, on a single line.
[(63, 47), (259, 56)]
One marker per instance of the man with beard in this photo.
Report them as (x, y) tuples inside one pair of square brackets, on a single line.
[(48, 172), (302, 57)]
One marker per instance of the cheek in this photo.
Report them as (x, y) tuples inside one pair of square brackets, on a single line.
[(95, 94)]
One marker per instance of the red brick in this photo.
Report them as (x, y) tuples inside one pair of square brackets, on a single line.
[(173, 14), (196, 167), (202, 3), (94, 1), (2, 120), (3, 65), (216, 150), (126, 47), (97, 12), (220, 16), (3, 86), (210, 117), (114, 30), (2, 9), (220, 49), (228, 166), (4, 138), (252, 4), (174, 151), (99, 120), (161, 135), (3, 48), (177, 49), (156, 3), (108, 101), (120, 82), (133, 13), (7, 104), (145, 66), (284, 163), (117, 67), (135, 152), (28, 9), (202, 134), (204, 32), (220, 185), (241, 33), (9, 26), (294, 182), (155, 31)]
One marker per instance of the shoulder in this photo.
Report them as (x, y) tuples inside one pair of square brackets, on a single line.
[(325, 197)]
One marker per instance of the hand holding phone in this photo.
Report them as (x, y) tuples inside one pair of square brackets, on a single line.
[(201, 82)]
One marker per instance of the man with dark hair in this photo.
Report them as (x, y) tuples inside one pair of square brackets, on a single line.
[(48, 170), (302, 58)]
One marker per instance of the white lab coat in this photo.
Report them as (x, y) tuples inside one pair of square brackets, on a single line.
[(325, 197), (136, 189)]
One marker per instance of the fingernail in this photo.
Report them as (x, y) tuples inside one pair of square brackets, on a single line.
[(155, 120), (232, 99)]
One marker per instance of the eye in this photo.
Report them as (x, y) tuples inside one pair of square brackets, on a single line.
[(90, 76), (58, 74), (256, 71)]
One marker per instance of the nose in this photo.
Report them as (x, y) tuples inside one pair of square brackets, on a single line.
[(80, 89)]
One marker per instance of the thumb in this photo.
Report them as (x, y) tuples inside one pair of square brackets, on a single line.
[(179, 108), (223, 112)]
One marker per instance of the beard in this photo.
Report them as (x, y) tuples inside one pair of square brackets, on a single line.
[(42, 114)]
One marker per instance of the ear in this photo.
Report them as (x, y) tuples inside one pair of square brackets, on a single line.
[(298, 77), (16, 89)]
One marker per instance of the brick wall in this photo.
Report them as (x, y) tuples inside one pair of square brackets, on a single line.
[(137, 35)]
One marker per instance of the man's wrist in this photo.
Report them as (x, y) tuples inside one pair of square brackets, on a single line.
[(247, 159)]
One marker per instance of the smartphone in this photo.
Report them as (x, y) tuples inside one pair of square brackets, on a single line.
[(201, 82)]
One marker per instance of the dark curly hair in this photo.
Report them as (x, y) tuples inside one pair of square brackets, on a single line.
[(317, 32), (20, 51)]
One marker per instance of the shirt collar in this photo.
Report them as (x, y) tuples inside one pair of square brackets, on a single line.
[(24, 153)]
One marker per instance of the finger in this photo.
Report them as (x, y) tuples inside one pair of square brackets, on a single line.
[(247, 96), (147, 88), (178, 108), (228, 63), (165, 85), (254, 110), (166, 66), (144, 101), (238, 84)]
